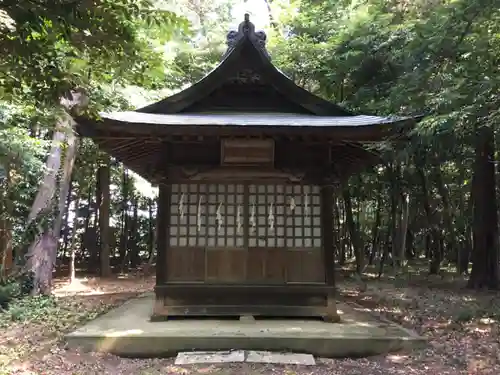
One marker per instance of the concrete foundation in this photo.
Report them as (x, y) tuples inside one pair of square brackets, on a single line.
[(128, 331)]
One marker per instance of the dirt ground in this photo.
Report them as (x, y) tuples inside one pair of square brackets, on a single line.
[(461, 326)]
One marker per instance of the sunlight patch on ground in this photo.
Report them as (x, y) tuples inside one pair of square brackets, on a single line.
[(390, 310), (474, 329), (487, 321), (467, 298), (94, 286), (176, 370), (207, 370), (364, 309), (81, 287), (395, 358)]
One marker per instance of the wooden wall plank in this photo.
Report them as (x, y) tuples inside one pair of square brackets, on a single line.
[(275, 265), (266, 265), (305, 266), (186, 264), (225, 265), (256, 264)]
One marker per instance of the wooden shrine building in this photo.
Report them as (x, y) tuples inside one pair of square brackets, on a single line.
[(246, 163)]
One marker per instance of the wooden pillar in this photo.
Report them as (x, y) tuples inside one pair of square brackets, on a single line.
[(330, 314), (162, 244)]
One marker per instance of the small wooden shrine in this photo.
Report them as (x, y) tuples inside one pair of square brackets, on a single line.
[(246, 162)]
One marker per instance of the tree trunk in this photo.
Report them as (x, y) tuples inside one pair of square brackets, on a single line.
[(42, 253), (466, 248), (72, 255), (43, 199), (151, 232), (394, 174), (340, 237), (90, 237), (403, 229), (134, 228), (66, 220), (87, 218), (447, 218), (385, 254), (353, 232), (485, 255), (123, 247), (6, 255), (434, 235), (410, 248), (376, 228), (104, 181), (69, 162)]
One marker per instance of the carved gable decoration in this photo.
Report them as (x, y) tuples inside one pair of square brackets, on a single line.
[(246, 76), (247, 29)]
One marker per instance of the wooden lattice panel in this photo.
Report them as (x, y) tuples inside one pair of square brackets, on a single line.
[(223, 215), (207, 215), (297, 216)]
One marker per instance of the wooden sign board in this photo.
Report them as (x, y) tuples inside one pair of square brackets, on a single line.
[(247, 152)]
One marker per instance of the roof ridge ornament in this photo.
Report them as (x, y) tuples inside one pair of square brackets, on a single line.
[(246, 29)]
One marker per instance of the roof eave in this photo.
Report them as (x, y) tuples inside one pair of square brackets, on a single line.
[(398, 129)]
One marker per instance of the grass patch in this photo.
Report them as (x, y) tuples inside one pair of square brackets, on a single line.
[(34, 324), (58, 313)]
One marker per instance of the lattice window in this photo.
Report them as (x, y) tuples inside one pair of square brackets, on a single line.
[(183, 216), (207, 215), (284, 216), (213, 215), (225, 215)]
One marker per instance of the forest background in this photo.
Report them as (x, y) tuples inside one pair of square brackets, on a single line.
[(432, 200), (419, 231)]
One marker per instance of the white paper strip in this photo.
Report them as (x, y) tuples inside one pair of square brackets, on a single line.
[(198, 219), (181, 206), (218, 217), (306, 205), (271, 217), (239, 225), (253, 223)]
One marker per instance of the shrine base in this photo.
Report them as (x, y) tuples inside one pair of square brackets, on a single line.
[(128, 331), (265, 301)]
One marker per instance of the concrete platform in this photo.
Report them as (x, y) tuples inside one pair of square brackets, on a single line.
[(127, 331)]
